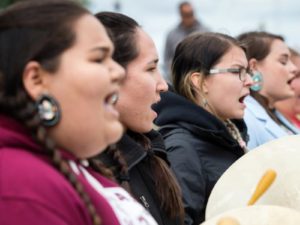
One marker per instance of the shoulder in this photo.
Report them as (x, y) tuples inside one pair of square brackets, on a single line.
[(34, 170), (173, 30), (181, 135), (27, 179), (176, 134), (175, 35), (254, 109), (255, 115), (183, 146)]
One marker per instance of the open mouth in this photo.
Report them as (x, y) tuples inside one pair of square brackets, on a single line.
[(241, 99), (155, 103), (290, 81), (112, 98)]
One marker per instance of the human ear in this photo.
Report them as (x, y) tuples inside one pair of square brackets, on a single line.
[(33, 79), (196, 80), (204, 86), (253, 64), (199, 82)]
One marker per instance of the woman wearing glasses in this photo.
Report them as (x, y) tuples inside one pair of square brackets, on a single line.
[(201, 120), (269, 58)]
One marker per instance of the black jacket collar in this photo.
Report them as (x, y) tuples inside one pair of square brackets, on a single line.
[(176, 111), (134, 152)]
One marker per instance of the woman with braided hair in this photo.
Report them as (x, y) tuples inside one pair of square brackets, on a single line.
[(58, 88), (139, 158)]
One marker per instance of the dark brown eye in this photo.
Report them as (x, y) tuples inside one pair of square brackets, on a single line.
[(98, 60)]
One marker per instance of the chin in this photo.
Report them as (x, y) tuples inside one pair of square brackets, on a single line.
[(286, 96), (142, 130), (290, 93), (114, 134), (239, 115), (147, 128), (141, 127)]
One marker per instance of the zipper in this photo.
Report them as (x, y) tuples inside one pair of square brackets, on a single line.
[(146, 204)]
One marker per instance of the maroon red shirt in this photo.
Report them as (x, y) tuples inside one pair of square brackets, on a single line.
[(33, 192)]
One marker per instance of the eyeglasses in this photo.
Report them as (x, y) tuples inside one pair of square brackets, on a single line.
[(242, 72)]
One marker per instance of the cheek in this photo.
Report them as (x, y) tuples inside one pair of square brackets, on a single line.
[(135, 110), (282, 73), (273, 81), (93, 86), (230, 97), (230, 90), (139, 91), (86, 81)]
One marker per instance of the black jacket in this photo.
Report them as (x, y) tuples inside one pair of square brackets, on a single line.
[(141, 178), (199, 148)]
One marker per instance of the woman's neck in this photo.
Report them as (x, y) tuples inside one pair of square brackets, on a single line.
[(271, 101)]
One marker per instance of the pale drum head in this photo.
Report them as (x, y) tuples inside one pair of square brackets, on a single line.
[(257, 215), (237, 184)]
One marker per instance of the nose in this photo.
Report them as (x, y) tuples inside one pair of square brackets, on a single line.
[(117, 72), (293, 69), (249, 81), (162, 85)]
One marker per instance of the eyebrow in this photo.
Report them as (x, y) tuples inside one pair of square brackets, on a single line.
[(155, 61), (104, 50), (239, 65), (285, 55)]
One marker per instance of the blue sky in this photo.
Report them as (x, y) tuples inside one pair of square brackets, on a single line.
[(227, 16)]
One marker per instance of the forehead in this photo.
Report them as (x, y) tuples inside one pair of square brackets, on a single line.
[(235, 55), (89, 31), (145, 44), (296, 61), (278, 47), (186, 8)]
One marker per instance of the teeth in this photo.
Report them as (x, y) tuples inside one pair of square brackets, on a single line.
[(114, 98)]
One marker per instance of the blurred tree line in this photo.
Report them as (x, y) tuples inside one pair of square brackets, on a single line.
[(5, 3)]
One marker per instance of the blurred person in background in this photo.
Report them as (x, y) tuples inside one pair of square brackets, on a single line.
[(201, 121), (290, 107), (270, 59), (187, 25), (139, 159)]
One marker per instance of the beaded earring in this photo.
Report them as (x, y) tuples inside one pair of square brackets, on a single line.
[(258, 81), (49, 110)]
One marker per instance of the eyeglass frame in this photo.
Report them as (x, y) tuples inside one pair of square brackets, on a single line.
[(215, 71)]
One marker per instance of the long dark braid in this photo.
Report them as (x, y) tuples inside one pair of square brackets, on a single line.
[(122, 173), (168, 190), (166, 185), (100, 167), (113, 158), (37, 31)]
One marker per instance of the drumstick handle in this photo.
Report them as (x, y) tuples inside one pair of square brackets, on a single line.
[(263, 184)]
